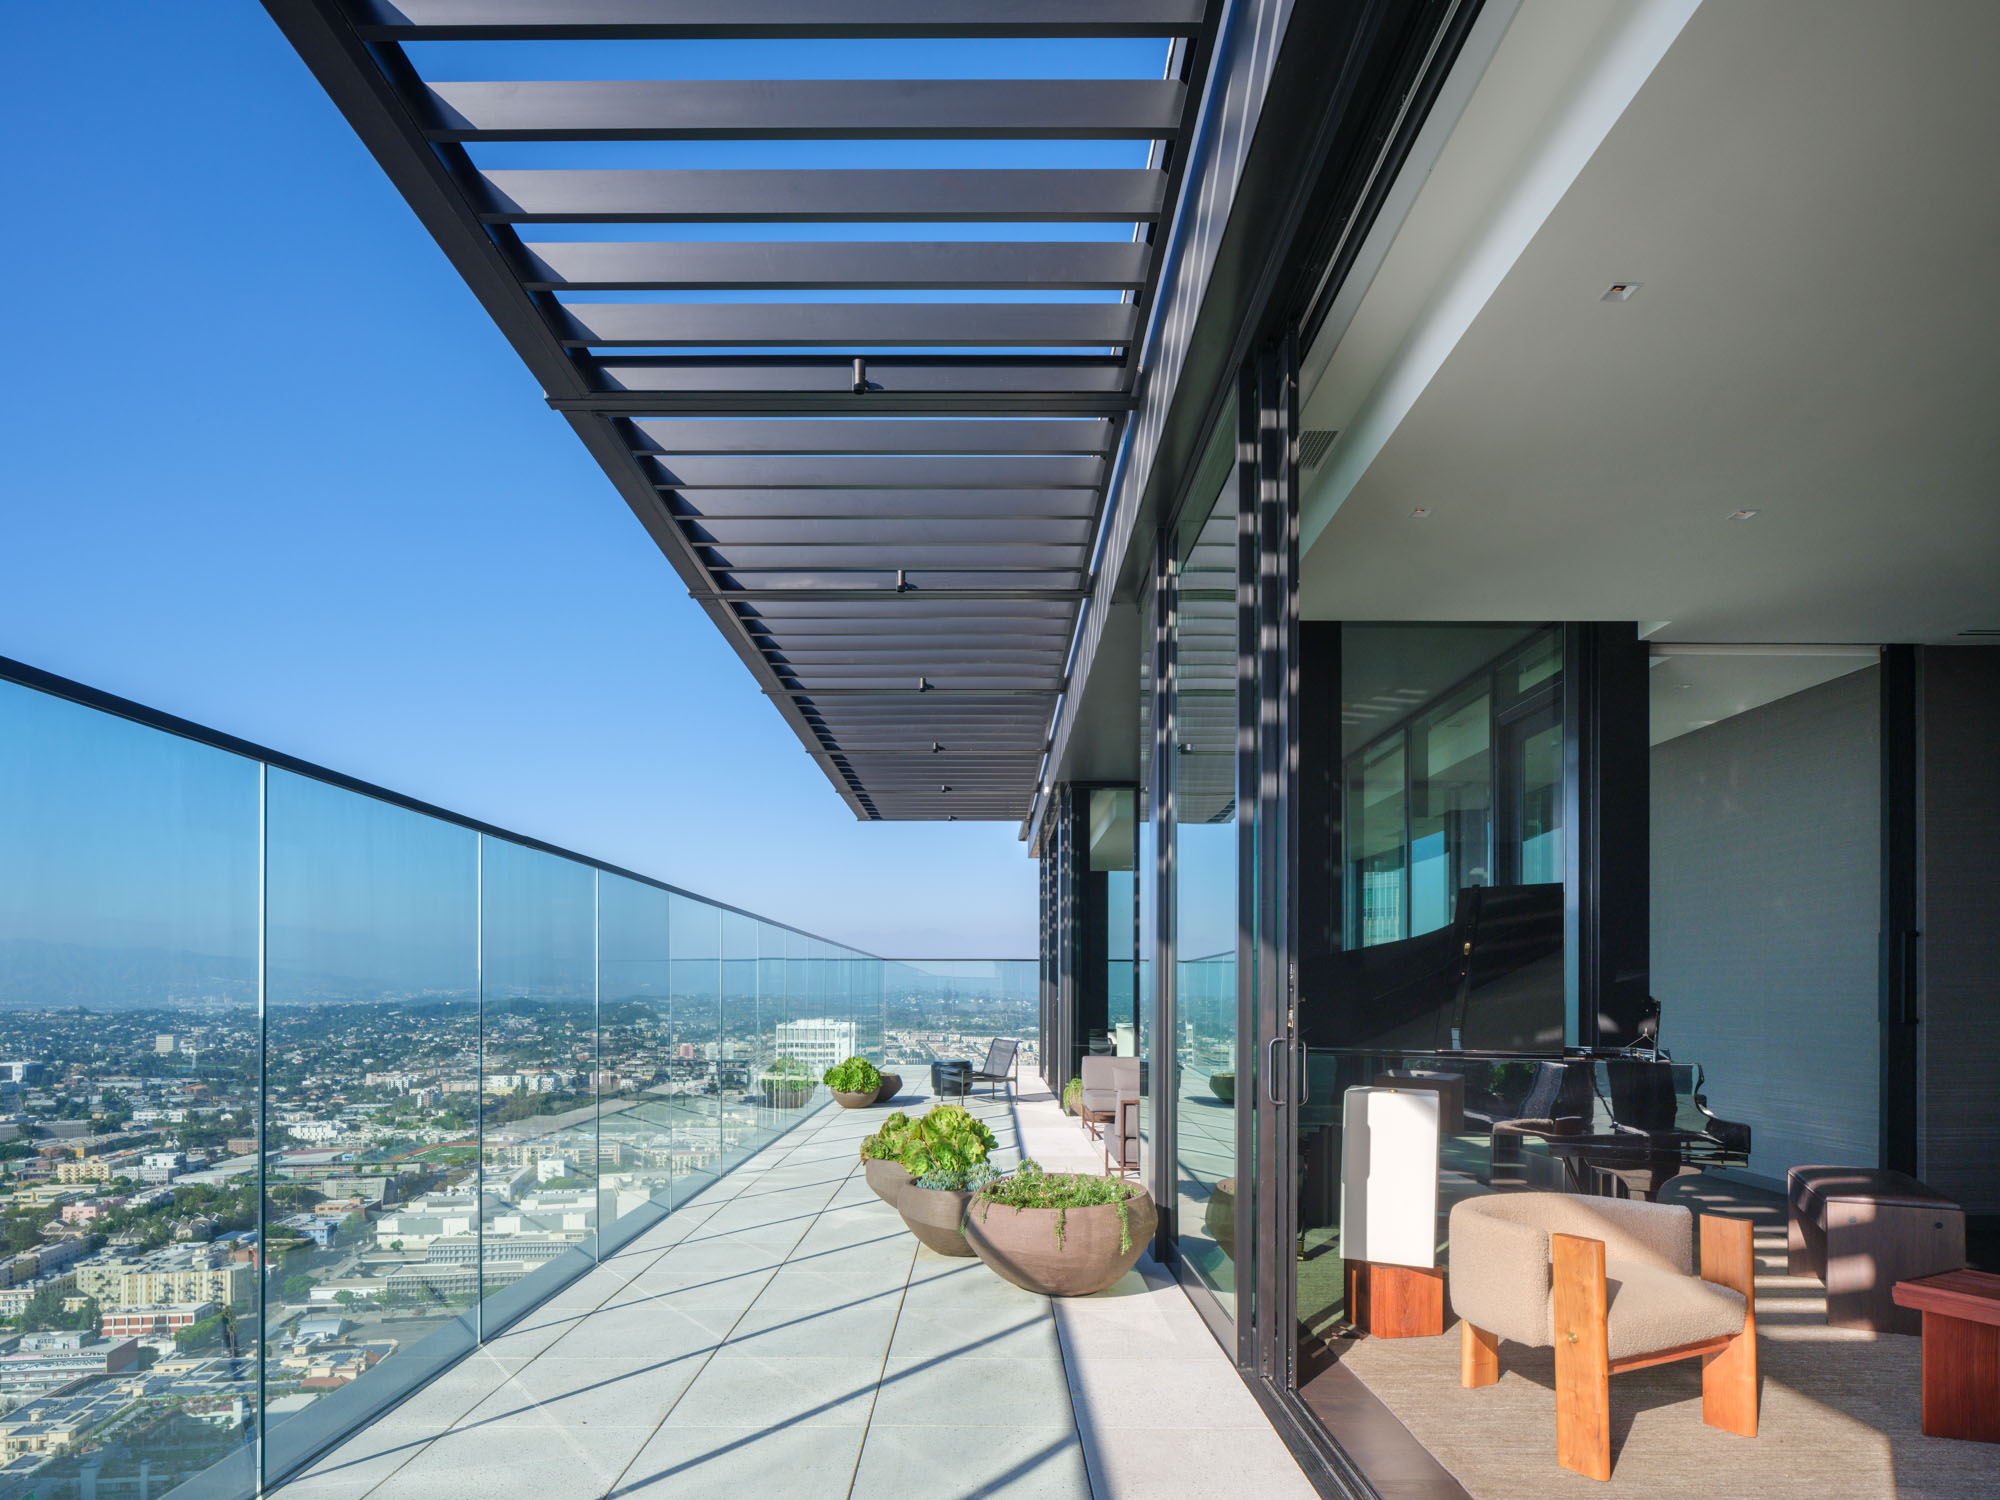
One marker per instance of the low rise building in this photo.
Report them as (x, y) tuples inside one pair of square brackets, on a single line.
[(148, 1322), (180, 1273), (161, 1166), (51, 1359)]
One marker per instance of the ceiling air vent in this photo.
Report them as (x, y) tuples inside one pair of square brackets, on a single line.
[(1313, 443), (1983, 631)]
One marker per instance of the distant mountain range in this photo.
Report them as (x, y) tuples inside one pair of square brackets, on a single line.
[(42, 976)]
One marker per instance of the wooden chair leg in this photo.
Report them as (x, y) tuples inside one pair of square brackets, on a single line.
[(1478, 1356), (1583, 1357), (1729, 1376)]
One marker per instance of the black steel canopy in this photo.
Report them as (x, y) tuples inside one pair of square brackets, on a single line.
[(886, 495)]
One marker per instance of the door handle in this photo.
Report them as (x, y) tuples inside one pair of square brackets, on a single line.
[(1271, 1070)]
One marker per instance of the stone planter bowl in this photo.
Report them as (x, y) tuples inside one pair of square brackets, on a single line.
[(785, 1096), (936, 1217), (886, 1179), (1019, 1244), (892, 1085), (854, 1098), (1219, 1217), (1223, 1086)]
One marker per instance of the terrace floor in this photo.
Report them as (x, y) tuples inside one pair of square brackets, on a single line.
[(784, 1330)]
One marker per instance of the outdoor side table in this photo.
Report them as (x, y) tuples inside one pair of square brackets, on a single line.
[(951, 1079), (1961, 1352)]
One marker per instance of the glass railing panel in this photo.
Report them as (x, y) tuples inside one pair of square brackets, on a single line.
[(935, 1009), (739, 1115), (696, 966), (371, 1165), (485, 1064), (128, 1018), (538, 1048), (643, 1063)]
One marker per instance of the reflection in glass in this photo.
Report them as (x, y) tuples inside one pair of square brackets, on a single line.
[(538, 1140), (436, 1069), (371, 1166), (643, 1062), (1451, 777), (128, 1002), (1202, 780)]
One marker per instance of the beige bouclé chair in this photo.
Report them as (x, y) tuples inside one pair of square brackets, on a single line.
[(1612, 1285)]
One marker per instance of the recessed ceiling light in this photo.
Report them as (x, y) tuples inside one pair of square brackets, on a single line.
[(1422, 512), (1621, 291), (1741, 515)]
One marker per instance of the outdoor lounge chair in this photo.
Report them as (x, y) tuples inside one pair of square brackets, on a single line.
[(998, 1067)]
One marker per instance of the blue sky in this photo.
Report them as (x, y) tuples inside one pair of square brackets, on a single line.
[(265, 463)]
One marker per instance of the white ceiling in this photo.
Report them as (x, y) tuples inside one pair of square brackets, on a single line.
[(1687, 692), (1809, 191)]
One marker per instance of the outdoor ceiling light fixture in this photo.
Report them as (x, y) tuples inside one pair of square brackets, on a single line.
[(1621, 291), (1741, 515), (1421, 513)]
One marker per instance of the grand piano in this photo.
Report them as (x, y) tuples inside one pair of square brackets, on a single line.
[(1477, 1007)]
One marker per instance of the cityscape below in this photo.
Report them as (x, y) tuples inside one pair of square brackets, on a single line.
[(410, 1165)]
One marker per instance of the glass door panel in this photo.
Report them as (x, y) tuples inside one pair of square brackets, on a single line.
[(1201, 775)]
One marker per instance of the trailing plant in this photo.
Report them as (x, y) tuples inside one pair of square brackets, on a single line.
[(959, 1180), (1072, 1092), (948, 1138), (1030, 1187), (886, 1143), (855, 1076)]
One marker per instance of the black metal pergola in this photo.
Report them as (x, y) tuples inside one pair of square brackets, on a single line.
[(885, 496)]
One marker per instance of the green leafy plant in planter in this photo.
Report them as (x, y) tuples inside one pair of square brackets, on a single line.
[(1031, 1187), (1061, 1234), (944, 1152), (885, 1175), (853, 1076), (948, 1138), (786, 1083), (886, 1143), (1072, 1095), (853, 1082), (958, 1179)]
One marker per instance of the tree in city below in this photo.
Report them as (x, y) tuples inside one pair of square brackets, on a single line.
[(44, 1313), (209, 1332)]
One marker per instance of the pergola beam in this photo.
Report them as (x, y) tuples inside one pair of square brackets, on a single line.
[(790, 265), (647, 195), (846, 325), (663, 20), (699, 109)]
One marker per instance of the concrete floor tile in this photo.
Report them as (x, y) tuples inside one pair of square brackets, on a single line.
[(1113, 1394), (552, 1463), (669, 1275), (932, 1328), (807, 1287), (1164, 1463), (688, 1462), (959, 1463), (859, 1328), (644, 1328), (811, 1390), (726, 1255), (638, 1391), (977, 1391), (886, 1255)]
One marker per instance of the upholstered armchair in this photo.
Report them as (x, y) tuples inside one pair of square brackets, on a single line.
[(1106, 1080), (1613, 1285)]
